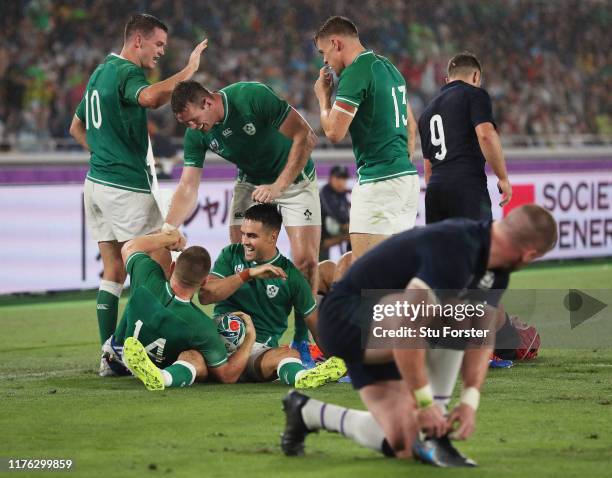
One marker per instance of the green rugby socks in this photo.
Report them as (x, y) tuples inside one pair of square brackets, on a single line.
[(179, 374), (288, 370), (107, 308)]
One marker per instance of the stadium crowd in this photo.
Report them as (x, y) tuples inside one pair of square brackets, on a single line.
[(547, 65)]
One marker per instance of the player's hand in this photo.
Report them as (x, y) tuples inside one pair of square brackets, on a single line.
[(194, 58), (431, 420), (267, 271), (179, 245), (505, 189), (266, 193), (324, 84), (465, 417)]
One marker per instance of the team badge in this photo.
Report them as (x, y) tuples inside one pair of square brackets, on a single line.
[(238, 215), (271, 290), (227, 132), (308, 214), (239, 268), (216, 147), (249, 129)]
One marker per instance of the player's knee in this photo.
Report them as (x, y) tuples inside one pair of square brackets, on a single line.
[(307, 264), (343, 264), (327, 269)]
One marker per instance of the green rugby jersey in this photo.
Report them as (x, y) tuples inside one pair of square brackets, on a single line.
[(116, 125), (248, 136), (374, 86), (165, 324), (267, 301)]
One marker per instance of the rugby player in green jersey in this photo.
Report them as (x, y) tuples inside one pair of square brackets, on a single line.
[(111, 123), (249, 125), (163, 338), (253, 277), (370, 104)]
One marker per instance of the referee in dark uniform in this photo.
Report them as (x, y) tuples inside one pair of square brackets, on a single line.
[(457, 136)]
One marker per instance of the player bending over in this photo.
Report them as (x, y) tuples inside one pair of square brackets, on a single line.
[(255, 278), (163, 337), (399, 386)]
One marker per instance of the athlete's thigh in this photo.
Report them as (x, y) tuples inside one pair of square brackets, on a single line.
[(241, 201), (100, 227), (300, 205), (407, 188), (267, 363)]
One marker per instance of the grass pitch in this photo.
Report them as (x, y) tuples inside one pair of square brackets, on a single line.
[(550, 417)]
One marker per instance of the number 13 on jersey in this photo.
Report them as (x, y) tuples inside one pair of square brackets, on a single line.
[(402, 90)]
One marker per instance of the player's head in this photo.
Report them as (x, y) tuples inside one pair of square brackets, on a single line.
[(260, 229), (194, 106), (147, 36), (526, 233), (332, 40), (465, 67), (192, 267), (338, 177)]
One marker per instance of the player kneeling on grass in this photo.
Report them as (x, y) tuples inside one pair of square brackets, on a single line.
[(405, 386), (163, 338), (255, 278)]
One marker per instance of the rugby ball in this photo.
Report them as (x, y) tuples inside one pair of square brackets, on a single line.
[(232, 331)]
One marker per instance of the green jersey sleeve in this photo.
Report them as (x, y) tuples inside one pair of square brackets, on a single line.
[(195, 149), (303, 301), (144, 271), (268, 106), (80, 111), (223, 265), (353, 87), (209, 344), (131, 86)]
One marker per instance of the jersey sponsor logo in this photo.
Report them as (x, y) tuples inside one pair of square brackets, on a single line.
[(102, 306), (216, 147), (227, 132), (308, 215), (238, 215), (272, 290), (249, 129), (487, 280), (238, 268)]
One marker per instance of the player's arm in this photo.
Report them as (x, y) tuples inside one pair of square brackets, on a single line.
[(220, 288), (426, 169), (474, 370), (185, 197), (159, 94), (490, 145), (78, 132), (336, 118), (152, 242), (411, 365), (304, 140), (412, 131), (230, 371)]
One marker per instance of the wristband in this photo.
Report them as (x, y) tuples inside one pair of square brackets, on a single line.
[(424, 396), (245, 275), (470, 396), (167, 228)]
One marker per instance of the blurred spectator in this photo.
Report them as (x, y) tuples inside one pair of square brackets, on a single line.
[(335, 209), (549, 62)]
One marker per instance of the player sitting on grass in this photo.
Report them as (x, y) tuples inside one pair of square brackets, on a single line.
[(181, 343), (397, 379), (255, 278)]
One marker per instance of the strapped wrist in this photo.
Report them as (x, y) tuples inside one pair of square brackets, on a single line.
[(245, 275), (470, 396), (423, 396)]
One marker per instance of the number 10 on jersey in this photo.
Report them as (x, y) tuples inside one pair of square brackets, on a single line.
[(92, 104)]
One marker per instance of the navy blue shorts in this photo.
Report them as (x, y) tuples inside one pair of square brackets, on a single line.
[(446, 201), (341, 336)]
